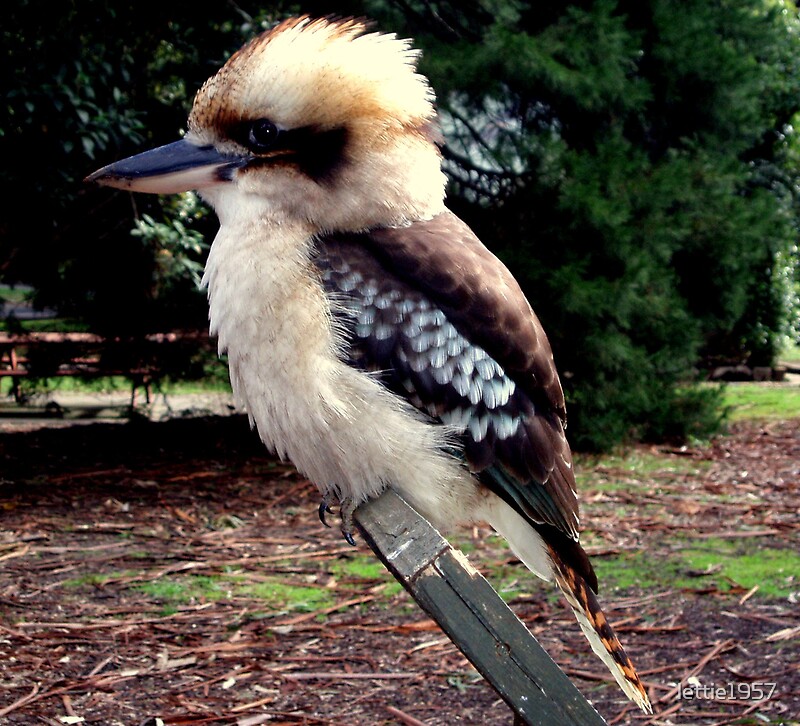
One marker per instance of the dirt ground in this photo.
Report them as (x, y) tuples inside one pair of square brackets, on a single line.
[(98, 521)]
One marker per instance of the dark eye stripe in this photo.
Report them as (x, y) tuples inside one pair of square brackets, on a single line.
[(319, 154)]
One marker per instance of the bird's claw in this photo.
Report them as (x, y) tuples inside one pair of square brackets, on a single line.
[(324, 508), (346, 509)]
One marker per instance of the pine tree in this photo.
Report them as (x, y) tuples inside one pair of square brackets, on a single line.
[(631, 162)]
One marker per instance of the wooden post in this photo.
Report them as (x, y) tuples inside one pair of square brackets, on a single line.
[(473, 615)]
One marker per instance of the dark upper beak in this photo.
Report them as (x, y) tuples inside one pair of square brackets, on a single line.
[(176, 167)]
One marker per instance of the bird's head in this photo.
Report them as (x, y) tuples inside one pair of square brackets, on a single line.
[(320, 121)]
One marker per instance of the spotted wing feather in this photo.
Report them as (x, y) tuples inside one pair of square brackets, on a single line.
[(516, 446)]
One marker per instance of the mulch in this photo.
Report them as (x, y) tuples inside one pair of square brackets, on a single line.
[(93, 516)]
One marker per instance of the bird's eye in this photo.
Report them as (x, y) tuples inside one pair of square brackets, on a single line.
[(261, 135)]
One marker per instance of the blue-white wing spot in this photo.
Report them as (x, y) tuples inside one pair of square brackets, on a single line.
[(439, 369)]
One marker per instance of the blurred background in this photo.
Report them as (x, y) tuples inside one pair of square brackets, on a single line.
[(636, 165)]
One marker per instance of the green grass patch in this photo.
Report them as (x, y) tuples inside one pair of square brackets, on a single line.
[(217, 383), (362, 567), (196, 588), (365, 567), (715, 562), (102, 384), (632, 468), (644, 463), (776, 571), (117, 384), (55, 325), (46, 325), (748, 400), (273, 593), (520, 581), (634, 571), (97, 579), (280, 596)]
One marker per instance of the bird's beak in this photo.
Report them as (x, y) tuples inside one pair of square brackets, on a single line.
[(176, 167)]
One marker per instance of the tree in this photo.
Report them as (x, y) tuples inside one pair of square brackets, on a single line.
[(88, 82), (635, 164), (632, 162)]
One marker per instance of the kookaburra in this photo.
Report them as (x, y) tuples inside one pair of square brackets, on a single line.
[(371, 337)]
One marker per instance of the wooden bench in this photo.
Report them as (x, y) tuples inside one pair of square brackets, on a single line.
[(88, 355)]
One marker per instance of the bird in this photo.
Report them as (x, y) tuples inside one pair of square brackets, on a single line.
[(371, 337)]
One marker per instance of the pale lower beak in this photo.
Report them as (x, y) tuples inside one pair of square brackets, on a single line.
[(176, 167)]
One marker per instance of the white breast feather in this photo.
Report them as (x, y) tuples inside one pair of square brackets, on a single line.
[(338, 425)]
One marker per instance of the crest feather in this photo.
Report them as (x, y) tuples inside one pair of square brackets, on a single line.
[(321, 72)]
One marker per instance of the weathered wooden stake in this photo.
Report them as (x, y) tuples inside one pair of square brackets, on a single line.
[(473, 615)]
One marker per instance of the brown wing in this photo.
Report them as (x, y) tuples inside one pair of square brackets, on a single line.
[(443, 258), (463, 346)]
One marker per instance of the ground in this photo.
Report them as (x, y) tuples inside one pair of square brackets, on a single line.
[(175, 573)]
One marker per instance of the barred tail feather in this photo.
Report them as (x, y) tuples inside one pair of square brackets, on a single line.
[(598, 631), (542, 559)]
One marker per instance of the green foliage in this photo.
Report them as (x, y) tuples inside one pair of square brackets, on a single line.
[(641, 182), (88, 82), (179, 248), (635, 163)]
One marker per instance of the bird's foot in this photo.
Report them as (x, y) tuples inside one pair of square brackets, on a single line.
[(346, 509)]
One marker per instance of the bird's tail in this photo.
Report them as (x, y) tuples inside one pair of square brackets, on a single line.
[(598, 630), (570, 571)]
